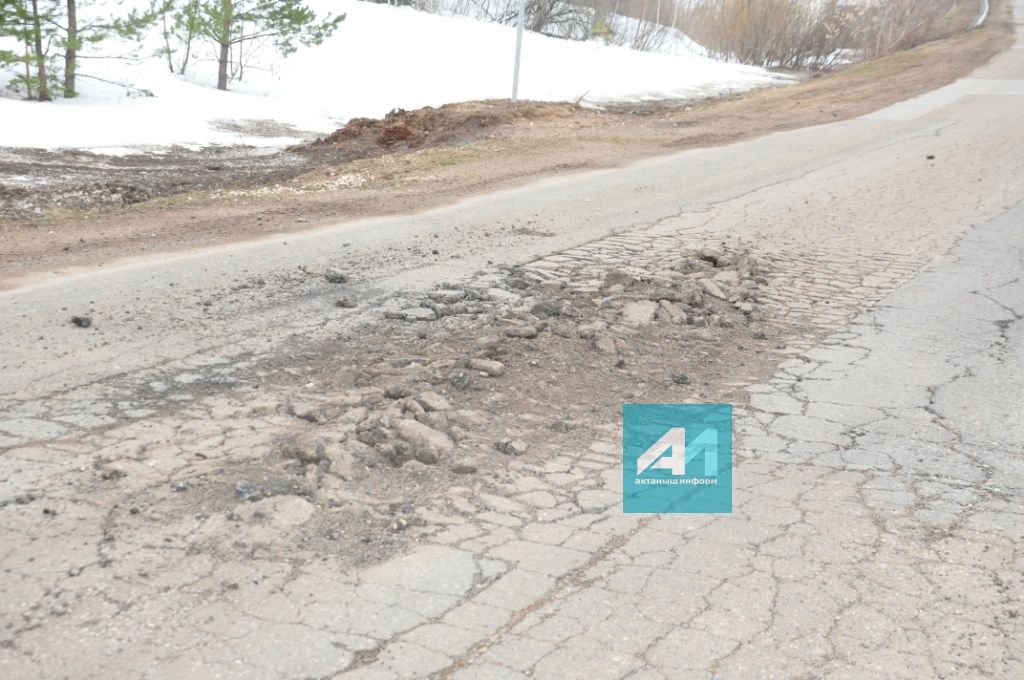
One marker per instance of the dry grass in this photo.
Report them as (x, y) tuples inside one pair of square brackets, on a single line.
[(801, 34)]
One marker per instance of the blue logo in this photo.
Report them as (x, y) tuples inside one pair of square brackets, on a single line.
[(677, 458)]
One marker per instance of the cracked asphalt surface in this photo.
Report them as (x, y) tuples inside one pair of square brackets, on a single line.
[(877, 524)]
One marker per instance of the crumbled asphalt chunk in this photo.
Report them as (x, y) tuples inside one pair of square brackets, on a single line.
[(460, 379), (545, 309), (492, 369), (525, 332), (334, 275), (82, 321), (399, 392), (680, 379), (303, 448), (511, 447)]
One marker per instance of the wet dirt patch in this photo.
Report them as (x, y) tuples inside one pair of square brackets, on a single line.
[(36, 182), (448, 124), (261, 127)]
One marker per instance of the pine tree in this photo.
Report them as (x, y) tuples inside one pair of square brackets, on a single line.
[(73, 36), (41, 24), (229, 24), (31, 23), (182, 23), (12, 24)]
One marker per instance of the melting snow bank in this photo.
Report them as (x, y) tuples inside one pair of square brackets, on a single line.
[(380, 58)]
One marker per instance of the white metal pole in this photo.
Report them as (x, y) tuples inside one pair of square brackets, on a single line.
[(519, 49)]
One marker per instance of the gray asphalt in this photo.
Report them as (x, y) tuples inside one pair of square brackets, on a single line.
[(878, 526)]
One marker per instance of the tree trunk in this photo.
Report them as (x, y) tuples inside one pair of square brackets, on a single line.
[(226, 19), (71, 50), (42, 88), (28, 67), (183, 66), (222, 67)]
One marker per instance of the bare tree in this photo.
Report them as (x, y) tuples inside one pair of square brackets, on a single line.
[(796, 34), (885, 27)]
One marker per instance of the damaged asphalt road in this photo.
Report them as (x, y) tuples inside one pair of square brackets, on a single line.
[(392, 449)]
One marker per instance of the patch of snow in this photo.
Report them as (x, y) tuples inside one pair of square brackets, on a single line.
[(380, 58)]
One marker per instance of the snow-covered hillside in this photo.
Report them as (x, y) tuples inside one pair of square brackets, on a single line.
[(380, 58)]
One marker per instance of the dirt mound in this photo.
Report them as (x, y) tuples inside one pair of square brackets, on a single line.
[(451, 123)]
